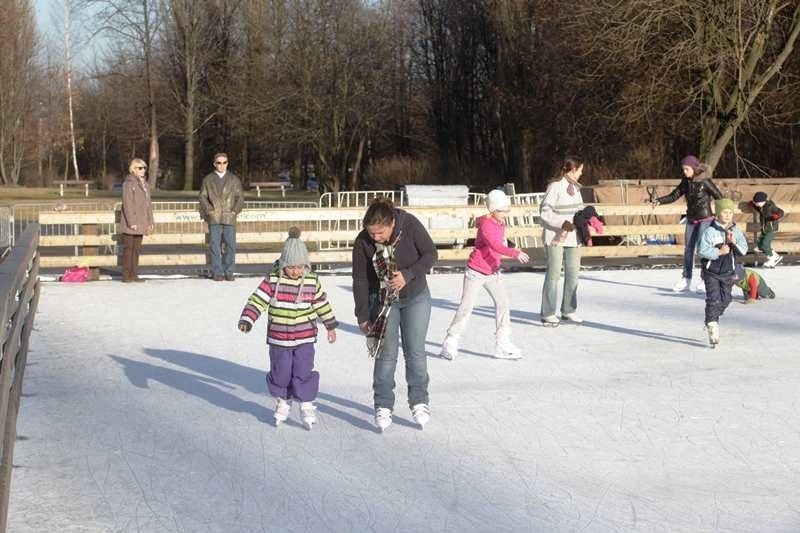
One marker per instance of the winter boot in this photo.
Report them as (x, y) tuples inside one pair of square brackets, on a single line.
[(308, 414), (681, 285), (450, 348), (421, 414), (383, 418), (282, 409), (713, 333)]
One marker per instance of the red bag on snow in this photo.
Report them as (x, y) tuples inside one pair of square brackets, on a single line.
[(75, 274)]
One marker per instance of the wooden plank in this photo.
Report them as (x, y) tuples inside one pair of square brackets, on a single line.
[(356, 214), (674, 181), (264, 237), (344, 256)]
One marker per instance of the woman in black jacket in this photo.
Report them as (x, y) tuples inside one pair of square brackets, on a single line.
[(391, 258), (699, 191)]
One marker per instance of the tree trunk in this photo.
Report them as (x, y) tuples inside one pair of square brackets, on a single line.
[(189, 143), (68, 52), (357, 165), (154, 162)]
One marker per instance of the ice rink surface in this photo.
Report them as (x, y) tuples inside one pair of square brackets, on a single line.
[(145, 410)]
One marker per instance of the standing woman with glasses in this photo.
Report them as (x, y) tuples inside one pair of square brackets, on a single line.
[(559, 205), (136, 220), (221, 201), (391, 258)]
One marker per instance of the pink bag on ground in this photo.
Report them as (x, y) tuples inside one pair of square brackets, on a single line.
[(75, 274)]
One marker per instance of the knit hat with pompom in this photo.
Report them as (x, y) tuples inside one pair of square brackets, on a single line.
[(294, 251)]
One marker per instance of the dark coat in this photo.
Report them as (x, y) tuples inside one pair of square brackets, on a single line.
[(769, 214), (699, 192), (221, 199), (415, 256), (581, 222)]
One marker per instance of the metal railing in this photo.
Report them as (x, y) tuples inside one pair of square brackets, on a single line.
[(19, 296)]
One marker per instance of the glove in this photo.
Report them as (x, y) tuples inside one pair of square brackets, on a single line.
[(245, 326), (568, 226)]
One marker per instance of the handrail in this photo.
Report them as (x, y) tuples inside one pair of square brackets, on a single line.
[(19, 297)]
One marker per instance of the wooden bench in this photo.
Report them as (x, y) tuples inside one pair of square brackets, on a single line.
[(282, 185), (74, 183)]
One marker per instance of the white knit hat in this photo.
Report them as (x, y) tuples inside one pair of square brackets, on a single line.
[(294, 251), (497, 200)]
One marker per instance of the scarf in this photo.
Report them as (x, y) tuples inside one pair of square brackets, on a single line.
[(571, 190), (385, 266)]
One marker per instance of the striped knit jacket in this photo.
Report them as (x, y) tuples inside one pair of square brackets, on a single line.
[(557, 207), (292, 307)]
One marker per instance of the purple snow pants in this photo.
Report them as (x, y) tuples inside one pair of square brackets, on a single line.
[(291, 373)]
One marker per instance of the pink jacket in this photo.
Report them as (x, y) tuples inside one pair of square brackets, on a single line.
[(490, 246)]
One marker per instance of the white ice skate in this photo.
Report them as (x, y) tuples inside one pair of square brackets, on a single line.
[(507, 350), (449, 348), (282, 409), (681, 285), (550, 321), (713, 333), (421, 414), (572, 318), (773, 260), (700, 288), (308, 414), (383, 418)]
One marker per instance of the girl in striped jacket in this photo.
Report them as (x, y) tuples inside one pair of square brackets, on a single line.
[(292, 297)]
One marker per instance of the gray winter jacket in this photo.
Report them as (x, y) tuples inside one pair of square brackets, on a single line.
[(221, 199)]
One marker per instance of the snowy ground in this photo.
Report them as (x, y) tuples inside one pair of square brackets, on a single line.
[(145, 410)]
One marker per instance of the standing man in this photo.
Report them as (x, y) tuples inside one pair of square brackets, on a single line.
[(221, 199)]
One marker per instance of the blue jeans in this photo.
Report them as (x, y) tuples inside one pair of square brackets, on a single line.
[(217, 234), (692, 241), (570, 257), (409, 319)]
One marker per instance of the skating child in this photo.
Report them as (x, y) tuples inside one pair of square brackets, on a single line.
[(769, 214), (721, 246), (754, 286), (292, 297), (483, 270)]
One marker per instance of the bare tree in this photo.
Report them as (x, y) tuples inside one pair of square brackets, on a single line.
[(17, 51), (196, 31), (68, 59), (135, 26), (691, 58)]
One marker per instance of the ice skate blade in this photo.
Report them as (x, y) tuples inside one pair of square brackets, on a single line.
[(550, 324), (508, 355)]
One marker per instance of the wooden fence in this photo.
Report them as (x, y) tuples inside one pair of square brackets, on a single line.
[(91, 241), (19, 296)]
